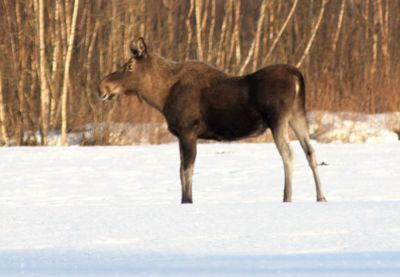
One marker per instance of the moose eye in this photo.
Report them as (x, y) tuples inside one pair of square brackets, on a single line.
[(130, 67)]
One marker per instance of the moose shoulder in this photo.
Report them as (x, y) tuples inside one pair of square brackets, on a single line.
[(200, 101)]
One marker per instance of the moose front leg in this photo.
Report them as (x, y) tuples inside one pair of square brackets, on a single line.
[(187, 148)]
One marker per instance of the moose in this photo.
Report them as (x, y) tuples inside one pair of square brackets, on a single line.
[(198, 101)]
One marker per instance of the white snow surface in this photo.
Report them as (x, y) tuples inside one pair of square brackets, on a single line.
[(114, 211), (350, 127)]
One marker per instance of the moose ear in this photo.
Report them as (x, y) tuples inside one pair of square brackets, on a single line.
[(138, 48)]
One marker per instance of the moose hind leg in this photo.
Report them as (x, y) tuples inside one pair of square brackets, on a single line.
[(187, 147), (281, 138), (300, 127)]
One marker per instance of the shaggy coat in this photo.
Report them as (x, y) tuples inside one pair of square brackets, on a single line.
[(199, 101)]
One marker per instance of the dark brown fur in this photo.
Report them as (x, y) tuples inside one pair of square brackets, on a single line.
[(200, 101)]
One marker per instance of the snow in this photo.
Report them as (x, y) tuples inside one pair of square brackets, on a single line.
[(349, 127), (114, 211)]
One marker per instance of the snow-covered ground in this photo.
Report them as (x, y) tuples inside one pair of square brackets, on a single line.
[(114, 211), (339, 127)]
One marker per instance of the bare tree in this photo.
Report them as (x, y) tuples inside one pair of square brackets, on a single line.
[(44, 88), (313, 33), (375, 39), (339, 25), (256, 39), (211, 32), (55, 65), (278, 36), (189, 29), (235, 45), (64, 92), (226, 24), (3, 115), (201, 18), (383, 11)]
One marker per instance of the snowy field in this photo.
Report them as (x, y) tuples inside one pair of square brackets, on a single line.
[(114, 211)]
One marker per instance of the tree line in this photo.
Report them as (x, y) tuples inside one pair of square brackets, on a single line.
[(55, 52)]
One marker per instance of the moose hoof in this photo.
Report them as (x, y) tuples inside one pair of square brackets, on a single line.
[(187, 201), (321, 199)]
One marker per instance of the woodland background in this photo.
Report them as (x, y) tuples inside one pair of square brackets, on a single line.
[(54, 53)]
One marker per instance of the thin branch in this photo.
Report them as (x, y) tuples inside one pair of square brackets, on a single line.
[(211, 34), (260, 22), (339, 25), (278, 36), (189, 28), (253, 44), (314, 32)]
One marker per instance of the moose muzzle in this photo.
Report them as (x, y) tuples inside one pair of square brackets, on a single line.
[(105, 93)]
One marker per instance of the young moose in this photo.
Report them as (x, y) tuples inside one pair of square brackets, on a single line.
[(201, 102)]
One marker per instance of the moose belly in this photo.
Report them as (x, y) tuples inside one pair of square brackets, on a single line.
[(232, 125)]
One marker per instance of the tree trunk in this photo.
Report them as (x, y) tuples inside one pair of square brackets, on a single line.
[(56, 60), (64, 92), (88, 65), (44, 89), (384, 28), (211, 33), (199, 30), (189, 29), (339, 25), (224, 34), (260, 24), (234, 47), (3, 115), (23, 64), (375, 39)]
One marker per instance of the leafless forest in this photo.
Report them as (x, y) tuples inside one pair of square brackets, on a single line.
[(54, 52)]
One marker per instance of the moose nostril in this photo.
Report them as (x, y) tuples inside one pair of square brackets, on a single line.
[(102, 91), (102, 96)]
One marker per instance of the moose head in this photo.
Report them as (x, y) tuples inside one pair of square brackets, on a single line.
[(127, 80)]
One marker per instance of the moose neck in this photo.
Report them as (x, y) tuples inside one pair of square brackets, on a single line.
[(158, 82)]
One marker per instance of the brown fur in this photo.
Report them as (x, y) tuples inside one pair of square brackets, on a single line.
[(200, 101)]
